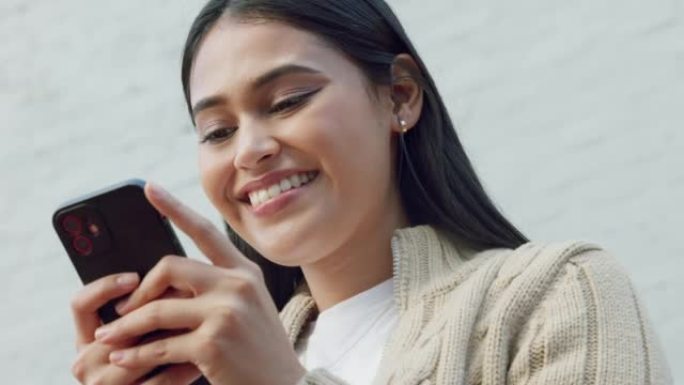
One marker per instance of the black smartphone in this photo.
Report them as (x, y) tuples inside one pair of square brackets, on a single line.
[(115, 230)]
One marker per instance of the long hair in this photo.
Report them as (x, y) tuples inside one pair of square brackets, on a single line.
[(437, 183)]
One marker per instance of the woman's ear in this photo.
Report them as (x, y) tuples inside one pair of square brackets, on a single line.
[(406, 92)]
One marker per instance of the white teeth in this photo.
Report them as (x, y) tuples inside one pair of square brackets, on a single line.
[(274, 191), (294, 179), (258, 197), (285, 184)]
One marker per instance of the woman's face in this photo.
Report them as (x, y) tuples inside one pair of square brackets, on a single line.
[(275, 108)]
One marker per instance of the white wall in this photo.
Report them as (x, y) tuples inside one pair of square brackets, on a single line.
[(571, 111)]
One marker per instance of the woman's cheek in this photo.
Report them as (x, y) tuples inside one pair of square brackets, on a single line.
[(214, 174)]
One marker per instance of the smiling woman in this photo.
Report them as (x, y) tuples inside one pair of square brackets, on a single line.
[(357, 222), (358, 54)]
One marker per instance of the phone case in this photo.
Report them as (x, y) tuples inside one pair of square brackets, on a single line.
[(114, 230)]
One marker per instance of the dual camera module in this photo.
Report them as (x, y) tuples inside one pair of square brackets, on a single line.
[(85, 230)]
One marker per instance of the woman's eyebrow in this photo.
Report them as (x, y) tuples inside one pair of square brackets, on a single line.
[(205, 103), (256, 84), (279, 72)]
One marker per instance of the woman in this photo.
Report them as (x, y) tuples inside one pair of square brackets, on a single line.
[(358, 223)]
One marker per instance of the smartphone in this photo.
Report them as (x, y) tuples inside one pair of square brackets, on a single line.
[(114, 230)]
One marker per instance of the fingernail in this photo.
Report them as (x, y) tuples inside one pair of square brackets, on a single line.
[(127, 280), (101, 333), (116, 357), (157, 192), (121, 306)]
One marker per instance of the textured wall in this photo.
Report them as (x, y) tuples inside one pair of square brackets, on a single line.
[(572, 112)]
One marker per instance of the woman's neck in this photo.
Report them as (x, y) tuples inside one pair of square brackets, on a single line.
[(362, 263)]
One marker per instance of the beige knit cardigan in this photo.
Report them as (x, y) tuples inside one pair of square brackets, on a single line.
[(562, 313)]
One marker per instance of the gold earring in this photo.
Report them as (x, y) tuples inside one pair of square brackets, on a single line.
[(403, 125)]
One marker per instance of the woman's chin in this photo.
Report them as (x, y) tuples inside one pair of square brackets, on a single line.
[(286, 253), (297, 247)]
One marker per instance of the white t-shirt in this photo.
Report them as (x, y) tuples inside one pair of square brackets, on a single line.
[(348, 338)]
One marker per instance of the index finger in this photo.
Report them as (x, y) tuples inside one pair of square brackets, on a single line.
[(93, 296), (213, 243)]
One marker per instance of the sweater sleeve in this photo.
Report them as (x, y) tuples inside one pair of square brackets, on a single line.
[(320, 377), (589, 329)]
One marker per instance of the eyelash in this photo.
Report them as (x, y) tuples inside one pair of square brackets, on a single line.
[(291, 102), (220, 134)]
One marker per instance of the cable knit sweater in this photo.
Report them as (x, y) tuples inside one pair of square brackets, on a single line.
[(562, 313)]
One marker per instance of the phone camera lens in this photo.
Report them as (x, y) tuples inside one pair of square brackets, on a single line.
[(72, 224), (83, 245)]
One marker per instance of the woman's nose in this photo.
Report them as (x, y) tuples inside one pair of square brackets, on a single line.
[(255, 145)]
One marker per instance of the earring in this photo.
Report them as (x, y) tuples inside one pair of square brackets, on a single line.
[(403, 125)]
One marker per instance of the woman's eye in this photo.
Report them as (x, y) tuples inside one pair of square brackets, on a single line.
[(291, 103), (218, 135)]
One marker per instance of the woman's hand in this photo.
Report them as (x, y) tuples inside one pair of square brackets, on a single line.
[(231, 330), (92, 366)]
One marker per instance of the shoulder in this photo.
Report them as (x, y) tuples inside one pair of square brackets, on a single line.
[(540, 274), (578, 281), (533, 265), (558, 312), (444, 265), (560, 272), (543, 264), (573, 304)]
